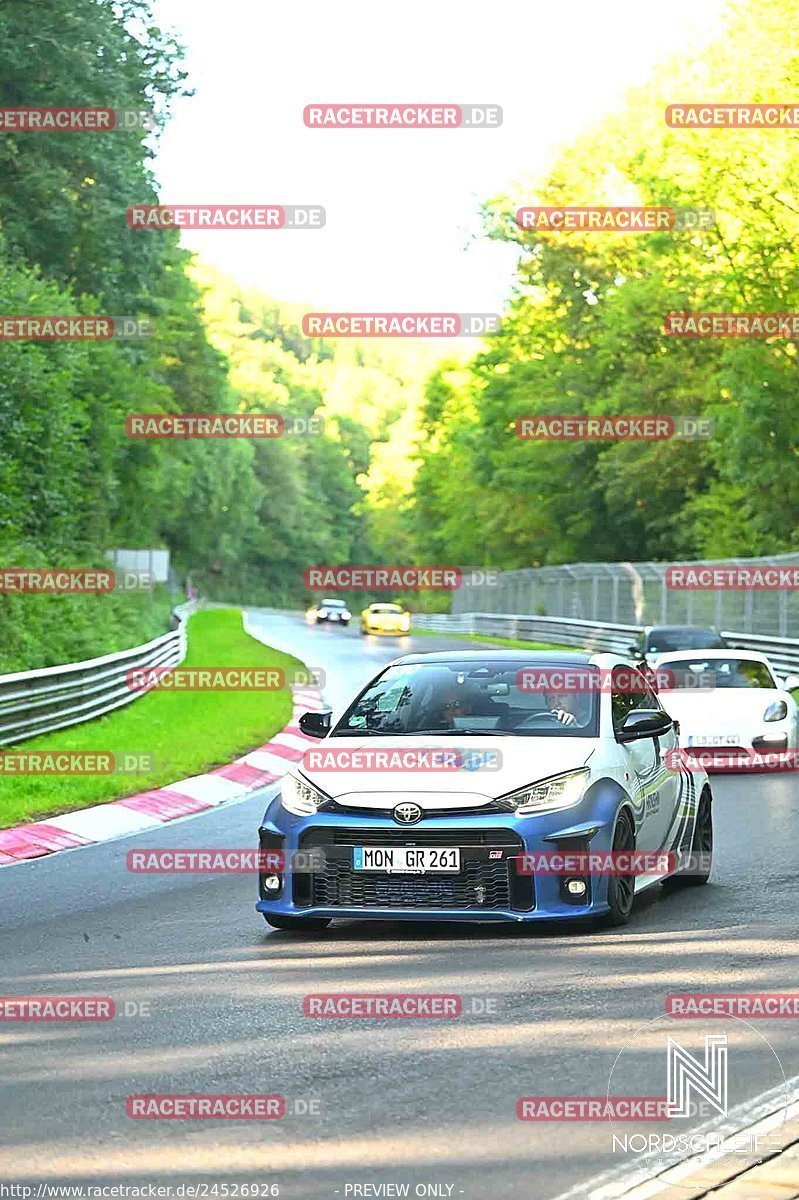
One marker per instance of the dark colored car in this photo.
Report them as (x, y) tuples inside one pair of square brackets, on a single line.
[(334, 611), (663, 639)]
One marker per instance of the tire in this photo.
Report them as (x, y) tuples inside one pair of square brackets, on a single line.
[(297, 924), (621, 888), (363, 631), (701, 843)]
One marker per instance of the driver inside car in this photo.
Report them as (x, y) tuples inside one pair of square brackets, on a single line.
[(567, 707), (453, 701), (456, 700)]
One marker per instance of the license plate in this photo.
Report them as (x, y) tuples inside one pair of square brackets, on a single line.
[(406, 860), (719, 739)]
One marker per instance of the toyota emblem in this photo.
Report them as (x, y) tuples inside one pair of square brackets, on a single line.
[(407, 814)]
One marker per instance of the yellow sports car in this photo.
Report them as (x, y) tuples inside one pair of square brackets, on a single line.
[(385, 618)]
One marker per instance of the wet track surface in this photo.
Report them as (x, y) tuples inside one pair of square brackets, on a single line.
[(392, 1101)]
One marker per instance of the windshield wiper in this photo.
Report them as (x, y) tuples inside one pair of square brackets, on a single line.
[(357, 732), (455, 733)]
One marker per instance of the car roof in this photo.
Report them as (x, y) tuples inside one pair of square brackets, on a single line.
[(565, 657), (682, 629), (728, 652)]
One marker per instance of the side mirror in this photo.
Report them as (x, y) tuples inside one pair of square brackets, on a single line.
[(644, 723), (635, 651), (316, 724), (791, 683)]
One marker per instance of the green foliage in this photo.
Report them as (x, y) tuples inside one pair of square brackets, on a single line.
[(330, 497), (584, 336), (243, 518)]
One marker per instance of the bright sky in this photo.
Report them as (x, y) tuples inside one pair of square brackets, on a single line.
[(401, 204)]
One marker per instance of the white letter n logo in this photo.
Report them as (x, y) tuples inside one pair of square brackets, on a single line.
[(708, 1079)]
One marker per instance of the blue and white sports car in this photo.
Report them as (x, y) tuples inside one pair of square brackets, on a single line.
[(452, 775)]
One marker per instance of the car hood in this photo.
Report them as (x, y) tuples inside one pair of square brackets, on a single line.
[(721, 705), (492, 767)]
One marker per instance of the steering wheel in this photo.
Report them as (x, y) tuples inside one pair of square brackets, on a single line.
[(548, 718)]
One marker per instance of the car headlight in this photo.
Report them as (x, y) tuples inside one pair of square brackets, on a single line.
[(562, 791), (299, 797), (405, 623), (346, 615), (777, 711)]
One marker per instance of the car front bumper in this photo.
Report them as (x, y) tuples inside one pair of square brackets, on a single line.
[(393, 630), (730, 751), (318, 879)]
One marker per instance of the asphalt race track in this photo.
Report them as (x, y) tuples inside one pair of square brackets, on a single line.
[(418, 1102)]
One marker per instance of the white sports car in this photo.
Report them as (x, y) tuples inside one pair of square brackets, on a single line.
[(729, 702)]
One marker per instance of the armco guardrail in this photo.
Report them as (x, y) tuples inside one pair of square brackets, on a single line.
[(34, 702), (783, 653), (637, 593), (592, 635)]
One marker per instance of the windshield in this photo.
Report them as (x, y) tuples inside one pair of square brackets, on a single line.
[(662, 641), (333, 604), (431, 698), (717, 672), (385, 608)]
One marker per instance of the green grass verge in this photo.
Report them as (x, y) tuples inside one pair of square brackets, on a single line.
[(512, 643), (185, 732)]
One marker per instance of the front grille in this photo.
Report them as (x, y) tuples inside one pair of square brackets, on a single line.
[(481, 884), (412, 835)]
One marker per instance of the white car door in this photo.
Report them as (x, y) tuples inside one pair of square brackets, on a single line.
[(654, 787)]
